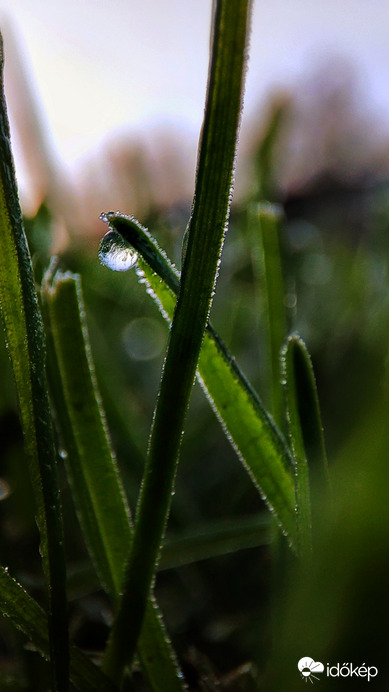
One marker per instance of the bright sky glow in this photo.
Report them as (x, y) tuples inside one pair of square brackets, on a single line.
[(101, 66)]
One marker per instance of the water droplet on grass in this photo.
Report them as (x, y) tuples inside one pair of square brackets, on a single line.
[(115, 253), (106, 216)]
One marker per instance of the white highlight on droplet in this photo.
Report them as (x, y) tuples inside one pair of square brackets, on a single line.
[(115, 253)]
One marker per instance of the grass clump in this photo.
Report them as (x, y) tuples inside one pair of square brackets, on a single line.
[(92, 430)]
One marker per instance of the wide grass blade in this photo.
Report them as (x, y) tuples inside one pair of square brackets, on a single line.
[(96, 488), (305, 429), (252, 432), (30, 618), (27, 350), (91, 466)]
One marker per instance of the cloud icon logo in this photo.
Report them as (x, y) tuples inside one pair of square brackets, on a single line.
[(307, 667)]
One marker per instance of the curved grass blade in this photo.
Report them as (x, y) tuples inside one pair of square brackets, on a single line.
[(308, 404), (30, 618), (305, 429), (252, 432), (26, 346), (303, 494), (91, 466)]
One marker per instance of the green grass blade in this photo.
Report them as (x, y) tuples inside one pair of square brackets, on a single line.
[(265, 158), (296, 354), (305, 429), (94, 477), (253, 434), (269, 218), (30, 618), (303, 493), (214, 539), (205, 239), (90, 464), (185, 547), (26, 347)]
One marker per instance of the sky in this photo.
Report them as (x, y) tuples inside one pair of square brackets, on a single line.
[(100, 67)]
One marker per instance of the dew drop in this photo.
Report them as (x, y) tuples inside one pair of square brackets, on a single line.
[(115, 253), (106, 216)]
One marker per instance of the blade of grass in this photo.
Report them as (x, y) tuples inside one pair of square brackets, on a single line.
[(268, 217), (214, 539), (305, 429), (205, 239), (93, 473), (90, 464), (26, 346), (303, 494), (265, 155), (31, 619), (253, 434), (180, 548), (307, 398)]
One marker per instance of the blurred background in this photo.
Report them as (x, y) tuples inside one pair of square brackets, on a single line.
[(106, 103), (131, 78)]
